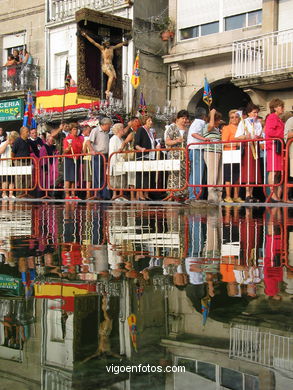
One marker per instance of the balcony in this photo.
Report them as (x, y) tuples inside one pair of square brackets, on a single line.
[(59, 10), (19, 78), (267, 59)]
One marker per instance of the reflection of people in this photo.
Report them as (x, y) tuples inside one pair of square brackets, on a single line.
[(107, 52)]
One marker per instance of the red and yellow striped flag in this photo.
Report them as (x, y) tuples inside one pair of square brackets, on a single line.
[(135, 79)]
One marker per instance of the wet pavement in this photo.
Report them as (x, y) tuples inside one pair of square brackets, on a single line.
[(112, 296)]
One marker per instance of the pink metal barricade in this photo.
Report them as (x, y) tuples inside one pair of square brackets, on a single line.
[(247, 161), (288, 169), (18, 174), (83, 172), (155, 170)]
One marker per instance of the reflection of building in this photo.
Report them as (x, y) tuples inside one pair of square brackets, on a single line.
[(154, 234), (20, 348)]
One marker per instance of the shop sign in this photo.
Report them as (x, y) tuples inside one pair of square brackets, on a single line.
[(10, 285), (11, 110)]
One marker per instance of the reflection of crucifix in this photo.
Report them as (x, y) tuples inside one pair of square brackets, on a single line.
[(107, 52)]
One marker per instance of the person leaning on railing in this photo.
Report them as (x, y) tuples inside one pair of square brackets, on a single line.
[(143, 140), (213, 156), (21, 148), (72, 145), (288, 133), (5, 152), (48, 166), (250, 128), (128, 144), (116, 180), (176, 137), (11, 65), (274, 128), (231, 170)]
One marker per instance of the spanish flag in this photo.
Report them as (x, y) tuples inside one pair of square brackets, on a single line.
[(135, 79)]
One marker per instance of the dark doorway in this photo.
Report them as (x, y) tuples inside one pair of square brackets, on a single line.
[(226, 96)]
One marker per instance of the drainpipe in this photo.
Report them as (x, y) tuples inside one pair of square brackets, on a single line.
[(169, 83)]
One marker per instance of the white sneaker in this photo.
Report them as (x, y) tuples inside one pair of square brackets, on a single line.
[(12, 197), (4, 197)]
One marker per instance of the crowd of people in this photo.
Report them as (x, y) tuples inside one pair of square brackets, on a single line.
[(223, 157)]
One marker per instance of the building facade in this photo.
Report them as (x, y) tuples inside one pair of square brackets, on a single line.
[(21, 27), (244, 49)]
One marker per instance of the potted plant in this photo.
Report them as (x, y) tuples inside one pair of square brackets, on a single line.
[(167, 28)]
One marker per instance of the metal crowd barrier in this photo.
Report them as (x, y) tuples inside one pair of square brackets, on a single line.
[(245, 161), (85, 171), (288, 183), (21, 173), (155, 170)]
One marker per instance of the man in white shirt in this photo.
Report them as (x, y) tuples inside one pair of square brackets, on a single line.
[(99, 143), (196, 151)]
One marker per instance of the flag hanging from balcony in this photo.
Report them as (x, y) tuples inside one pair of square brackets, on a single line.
[(135, 79), (28, 117), (207, 94), (67, 77)]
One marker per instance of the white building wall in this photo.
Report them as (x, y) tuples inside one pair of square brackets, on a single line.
[(285, 14), (62, 44), (58, 351), (194, 13)]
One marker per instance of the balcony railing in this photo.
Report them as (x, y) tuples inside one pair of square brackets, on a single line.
[(264, 55), (19, 78), (58, 10)]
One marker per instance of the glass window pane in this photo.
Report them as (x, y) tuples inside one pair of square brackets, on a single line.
[(209, 28), (251, 382), (234, 22), (188, 364), (190, 32), (231, 379), (254, 18), (206, 370)]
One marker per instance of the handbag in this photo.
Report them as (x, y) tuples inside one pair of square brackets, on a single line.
[(278, 148)]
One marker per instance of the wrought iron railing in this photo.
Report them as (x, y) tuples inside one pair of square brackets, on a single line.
[(262, 55), (59, 10), (20, 77)]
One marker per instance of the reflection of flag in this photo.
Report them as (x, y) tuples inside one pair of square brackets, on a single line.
[(135, 79), (132, 330), (28, 119), (67, 77), (205, 308), (207, 94), (142, 104)]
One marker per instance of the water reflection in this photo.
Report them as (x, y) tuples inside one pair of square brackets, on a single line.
[(82, 287)]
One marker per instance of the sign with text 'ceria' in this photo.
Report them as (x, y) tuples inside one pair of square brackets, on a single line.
[(11, 110)]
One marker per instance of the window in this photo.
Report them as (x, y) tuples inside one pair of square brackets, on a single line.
[(206, 370), (231, 379), (234, 22), (190, 32), (209, 28), (196, 31), (253, 18), (59, 69)]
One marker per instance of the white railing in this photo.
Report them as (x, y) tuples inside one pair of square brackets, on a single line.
[(58, 10), (265, 54), (265, 348)]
